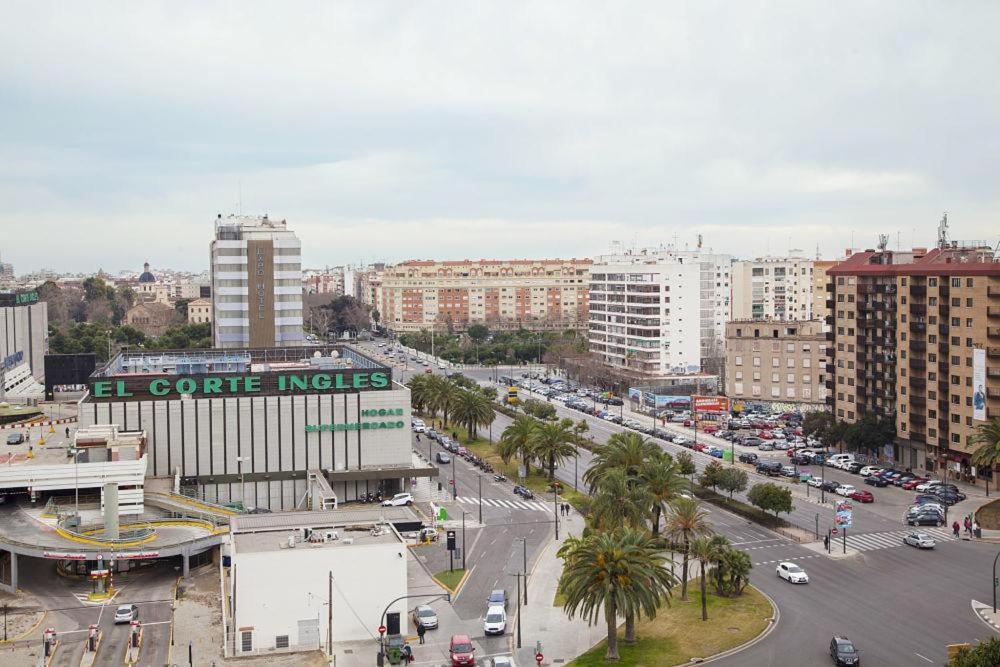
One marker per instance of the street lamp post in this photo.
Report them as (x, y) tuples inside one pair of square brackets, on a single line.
[(454, 480), (480, 500), (524, 568), (463, 538), (555, 508), (995, 582)]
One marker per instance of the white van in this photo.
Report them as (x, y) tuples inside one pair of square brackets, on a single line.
[(839, 460)]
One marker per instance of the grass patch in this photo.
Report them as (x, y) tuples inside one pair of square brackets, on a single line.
[(678, 634), (988, 515), (560, 598), (450, 579), (740, 508)]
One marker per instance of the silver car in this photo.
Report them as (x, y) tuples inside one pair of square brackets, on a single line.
[(426, 617), (920, 541)]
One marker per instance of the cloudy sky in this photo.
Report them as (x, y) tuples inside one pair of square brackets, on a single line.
[(388, 131)]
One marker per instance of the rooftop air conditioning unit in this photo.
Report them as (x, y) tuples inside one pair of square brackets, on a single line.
[(347, 540)]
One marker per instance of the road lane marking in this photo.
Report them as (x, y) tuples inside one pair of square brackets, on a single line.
[(920, 656)]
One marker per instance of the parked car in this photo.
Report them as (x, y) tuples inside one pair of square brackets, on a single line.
[(497, 598), (425, 616), (442, 457), (919, 540), (845, 490), (925, 518), (815, 482), (792, 573), (748, 457), (949, 498), (924, 498), (789, 471), (902, 479), (911, 484), (854, 467), (15, 438), (830, 486), (495, 621), (126, 613), (769, 467), (928, 485), (869, 470), (461, 651), (399, 500), (875, 480), (862, 496), (843, 652)]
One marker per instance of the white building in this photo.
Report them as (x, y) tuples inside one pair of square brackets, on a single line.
[(256, 283), (278, 585), (24, 340), (658, 311), (773, 288)]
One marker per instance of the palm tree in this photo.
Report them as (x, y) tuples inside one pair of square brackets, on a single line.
[(720, 547), (618, 572), (472, 410), (619, 501), (441, 396), (738, 565), (418, 392), (702, 549), (626, 451), (663, 481), (552, 442), (686, 521), (988, 437), (517, 440)]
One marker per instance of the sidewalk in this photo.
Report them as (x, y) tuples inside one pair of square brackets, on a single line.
[(562, 639)]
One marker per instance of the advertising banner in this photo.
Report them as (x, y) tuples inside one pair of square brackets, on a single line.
[(710, 404), (845, 515), (979, 384)]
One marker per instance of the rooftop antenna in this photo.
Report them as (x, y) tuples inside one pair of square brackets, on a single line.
[(883, 242), (817, 251), (700, 239), (943, 231)]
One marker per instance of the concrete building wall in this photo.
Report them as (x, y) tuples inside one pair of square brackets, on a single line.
[(274, 590), (24, 337)]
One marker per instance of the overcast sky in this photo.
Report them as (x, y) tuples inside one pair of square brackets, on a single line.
[(388, 131)]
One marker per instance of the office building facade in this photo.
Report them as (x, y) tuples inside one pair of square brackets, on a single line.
[(916, 340), (502, 294), (24, 340), (256, 283)]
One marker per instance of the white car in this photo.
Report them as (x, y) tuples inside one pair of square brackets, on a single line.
[(495, 622), (868, 471), (792, 573), (928, 485), (399, 500), (501, 661), (919, 540), (845, 490), (815, 482), (126, 613), (441, 366)]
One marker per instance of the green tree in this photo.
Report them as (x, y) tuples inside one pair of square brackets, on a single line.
[(720, 546), (984, 654), (517, 440), (419, 391), (685, 464), (733, 479), (685, 522), (738, 566), (624, 450), (615, 573), (478, 333), (661, 476), (815, 424), (771, 498), (619, 501), (539, 409), (704, 552), (472, 410), (987, 436), (552, 443), (711, 474)]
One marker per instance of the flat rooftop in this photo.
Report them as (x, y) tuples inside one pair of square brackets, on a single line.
[(252, 523), (257, 533)]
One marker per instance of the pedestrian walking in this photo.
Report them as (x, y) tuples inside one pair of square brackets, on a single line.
[(67, 432), (420, 632), (955, 528), (408, 652), (968, 525), (975, 528)]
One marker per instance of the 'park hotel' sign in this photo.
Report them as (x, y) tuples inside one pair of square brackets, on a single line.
[(220, 386)]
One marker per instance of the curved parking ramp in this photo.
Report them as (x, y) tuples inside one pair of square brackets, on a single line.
[(175, 502)]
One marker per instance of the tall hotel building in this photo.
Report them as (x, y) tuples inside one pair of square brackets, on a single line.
[(256, 283), (916, 340), (502, 294), (658, 311)]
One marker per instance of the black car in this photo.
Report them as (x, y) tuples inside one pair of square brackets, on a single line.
[(855, 467), (769, 467), (843, 652), (748, 457), (905, 477), (829, 485), (15, 438), (524, 492), (948, 490), (928, 518), (949, 498), (875, 480), (802, 459)]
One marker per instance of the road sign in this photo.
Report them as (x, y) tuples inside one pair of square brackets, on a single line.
[(381, 629), (539, 657), (451, 481), (450, 540), (834, 530)]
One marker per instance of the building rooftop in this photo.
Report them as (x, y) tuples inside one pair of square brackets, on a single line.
[(317, 530), (952, 260)]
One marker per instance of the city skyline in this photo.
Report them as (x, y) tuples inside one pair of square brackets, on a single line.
[(383, 134)]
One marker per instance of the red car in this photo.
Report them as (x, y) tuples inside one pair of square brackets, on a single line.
[(912, 484), (766, 435), (862, 496), (462, 651), (698, 447), (428, 370), (710, 429)]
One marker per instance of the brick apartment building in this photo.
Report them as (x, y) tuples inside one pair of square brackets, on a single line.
[(502, 294), (916, 339)]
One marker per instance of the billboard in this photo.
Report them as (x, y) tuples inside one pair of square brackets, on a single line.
[(710, 404), (845, 515), (979, 384)]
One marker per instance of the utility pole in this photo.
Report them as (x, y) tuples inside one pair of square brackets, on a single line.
[(329, 617), (524, 568), (454, 479), (555, 508), (518, 610), (480, 499)]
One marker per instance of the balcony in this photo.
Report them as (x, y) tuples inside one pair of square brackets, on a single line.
[(943, 386), (918, 291), (992, 392), (993, 332), (830, 368), (943, 347), (830, 304), (943, 329), (993, 352), (918, 347), (917, 364), (918, 309), (993, 290), (917, 401), (993, 311), (829, 384), (943, 425), (829, 400), (918, 382), (993, 371), (917, 418), (944, 367), (918, 327), (829, 334)]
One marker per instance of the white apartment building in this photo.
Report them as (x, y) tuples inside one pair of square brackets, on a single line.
[(773, 288), (658, 311), (256, 283)]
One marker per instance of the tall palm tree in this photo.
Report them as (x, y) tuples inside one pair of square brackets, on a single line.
[(441, 396), (987, 436), (552, 442), (626, 451), (685, 522), (472, 410), (619, 501), (517, 440), (704, 552), (664, 482), (618, 572), (720, 547), (418, 392)]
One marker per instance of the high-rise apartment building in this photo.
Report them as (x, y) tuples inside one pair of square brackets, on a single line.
[(819, 294), (773, 288), (916, 340), (256, 283), (659, 311), (780, 365), (502, 294)]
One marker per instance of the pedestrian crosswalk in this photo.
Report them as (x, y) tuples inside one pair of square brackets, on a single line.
[(508, 504), (894, 538)]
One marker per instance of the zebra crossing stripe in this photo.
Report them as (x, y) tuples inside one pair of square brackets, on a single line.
[(540, 507)]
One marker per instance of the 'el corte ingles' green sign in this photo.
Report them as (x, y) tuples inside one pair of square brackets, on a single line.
[(244, 384), (377, 419)]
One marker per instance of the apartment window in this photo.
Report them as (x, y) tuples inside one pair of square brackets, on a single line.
[(904, 282), (932, 282), (789, 392), (840, 412), (850, 347), (902, 426), (756, 390), (739, 375), (789, 347), (790, 378), (281, 641), (956, 302), (756, 376), (954, 419), (246, 641), (756, 361), (806, 392), (775, 377), (840, 331), (840, 379), (955, 438), (775, 392), (968, 282), (968, 342), (739, 361), (807, 362), (956, 322), (968, 303), (968, 322), (956, 282), (738, 387), (954, 400), (790, 362), (850, 364), (955, 360), (806, 379), (850, 414), (775, 362), (902, 318), (840, 395)]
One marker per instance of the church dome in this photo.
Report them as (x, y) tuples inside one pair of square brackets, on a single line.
[(146, 276)]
